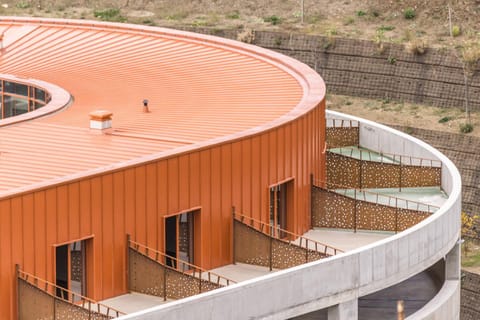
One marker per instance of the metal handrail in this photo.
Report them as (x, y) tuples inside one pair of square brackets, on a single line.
[(344, 123), (344, 189), (266, 227), (395, 158), (51, 288), (192, 270)]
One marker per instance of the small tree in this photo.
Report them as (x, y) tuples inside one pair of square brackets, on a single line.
[(468, 228), (469, 56)]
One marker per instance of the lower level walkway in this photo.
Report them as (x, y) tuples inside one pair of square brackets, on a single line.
[(344, 239), (133, 302)]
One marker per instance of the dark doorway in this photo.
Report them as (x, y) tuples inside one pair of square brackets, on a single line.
[(179, 239), (71, 269), (171, 240), (61, 258), (281, 202)]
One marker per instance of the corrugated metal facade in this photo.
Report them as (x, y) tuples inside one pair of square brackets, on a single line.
[(134, 199)]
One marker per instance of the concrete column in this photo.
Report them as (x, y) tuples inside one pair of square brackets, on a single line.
[(452, 263), (344, 311)]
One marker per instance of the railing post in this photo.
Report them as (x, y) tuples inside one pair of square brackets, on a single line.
[(355, 202), (271, 254), (127, 269), (360, 178), (306, 250), (396, 220), (234, 258), (400, 176), (200, 281), (17, 275), (165, 281)]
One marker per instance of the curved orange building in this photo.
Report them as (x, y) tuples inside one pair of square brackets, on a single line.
[(228, 125)]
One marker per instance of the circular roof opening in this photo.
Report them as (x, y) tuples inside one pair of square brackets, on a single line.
[(26, 99)]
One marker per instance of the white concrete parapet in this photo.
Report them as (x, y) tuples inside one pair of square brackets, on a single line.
[(343, 278)]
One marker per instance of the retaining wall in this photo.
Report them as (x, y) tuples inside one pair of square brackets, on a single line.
[(470, 308)]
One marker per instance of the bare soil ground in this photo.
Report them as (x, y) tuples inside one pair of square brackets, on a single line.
[(381, 20), (403, 113)]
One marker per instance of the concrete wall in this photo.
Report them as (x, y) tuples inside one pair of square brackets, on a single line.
[(341, 278)]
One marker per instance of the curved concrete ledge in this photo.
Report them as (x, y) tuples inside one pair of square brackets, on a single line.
[(60, 99), (445, 305), (344, 277)]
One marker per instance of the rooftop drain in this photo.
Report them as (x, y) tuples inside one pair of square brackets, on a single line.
[(145, 106), (100, 119)]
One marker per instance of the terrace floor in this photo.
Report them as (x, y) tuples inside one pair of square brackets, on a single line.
[(411, 198)]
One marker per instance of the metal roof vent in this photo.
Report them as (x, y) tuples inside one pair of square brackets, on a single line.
[(101, 119)]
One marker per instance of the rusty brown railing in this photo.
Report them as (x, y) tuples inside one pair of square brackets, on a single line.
[(90, 308), (390, 158), (287, 236), (185, 267), (392, 201), (341, 123)]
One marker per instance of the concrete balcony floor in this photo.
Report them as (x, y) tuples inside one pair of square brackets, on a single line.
[(364, 154), (416, 198)]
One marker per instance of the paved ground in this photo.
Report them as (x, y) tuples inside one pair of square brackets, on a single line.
[(411, 198), (345, 240), (241, 271), (133, 302)]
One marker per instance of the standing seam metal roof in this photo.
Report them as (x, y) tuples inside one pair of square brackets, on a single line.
[(202, 90)]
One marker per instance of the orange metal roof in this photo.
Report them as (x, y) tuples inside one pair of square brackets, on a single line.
[(201, 90)]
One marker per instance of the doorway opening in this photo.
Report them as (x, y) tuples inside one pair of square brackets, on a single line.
[(180, 238), (281, 207), (71, 269)]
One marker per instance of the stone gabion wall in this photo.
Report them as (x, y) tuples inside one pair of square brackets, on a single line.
[(470, 308)]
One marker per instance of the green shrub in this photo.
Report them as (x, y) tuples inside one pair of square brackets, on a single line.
[(111, 14), (466, 127), (23, 5), (274, 20), (456, 31), (391, 60), (445, 119), (348, 21), (409, 13), (361, 13), (233, 15), (386, 28)]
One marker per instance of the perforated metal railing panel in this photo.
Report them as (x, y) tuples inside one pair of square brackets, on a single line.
[(347, 172), (151, 277), (36, 304), (333, 210), (342, 136), (253, 247)]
